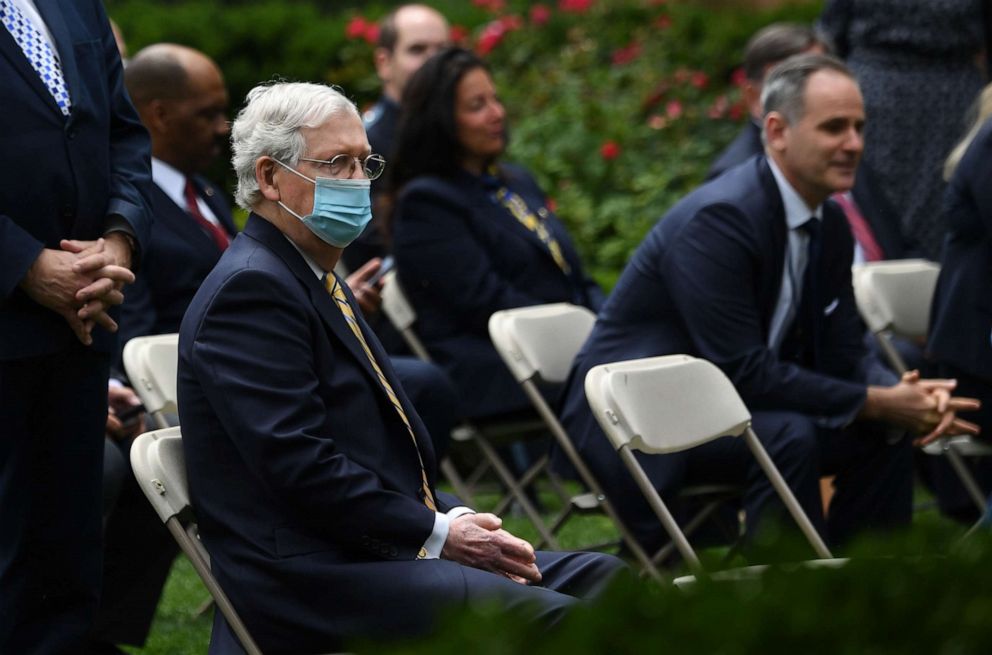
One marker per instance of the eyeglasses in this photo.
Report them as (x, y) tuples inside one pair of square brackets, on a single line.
[(344, 165)]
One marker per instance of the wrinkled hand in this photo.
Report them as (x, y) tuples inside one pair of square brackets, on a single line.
[(52, 282), (478, 540), (120, 399), (106, 262), (366, 294)]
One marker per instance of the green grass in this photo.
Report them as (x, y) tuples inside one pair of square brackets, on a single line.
[(179, 630)]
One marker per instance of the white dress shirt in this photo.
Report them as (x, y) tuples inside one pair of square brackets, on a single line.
[(797, 212)]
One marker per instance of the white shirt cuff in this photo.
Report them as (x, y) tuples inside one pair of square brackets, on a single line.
[(435, 543)]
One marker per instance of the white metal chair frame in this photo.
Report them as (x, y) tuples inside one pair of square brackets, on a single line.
[(672, 403), (894, 297), (402, 315), (159, 467)]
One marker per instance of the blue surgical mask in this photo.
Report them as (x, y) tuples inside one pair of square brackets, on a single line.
[(341, 208)]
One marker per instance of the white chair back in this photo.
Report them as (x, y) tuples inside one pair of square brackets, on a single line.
[(160, 468), (395, 305), (151, 363), (664, 404), (896, 295), (541, 340)]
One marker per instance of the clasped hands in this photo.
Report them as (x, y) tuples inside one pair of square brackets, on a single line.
[(927, 407), (479, 541), (82, 281)]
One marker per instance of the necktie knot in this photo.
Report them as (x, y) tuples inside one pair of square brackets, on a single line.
[(811, 227)]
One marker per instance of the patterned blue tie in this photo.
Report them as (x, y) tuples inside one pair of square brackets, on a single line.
[(39, 52)]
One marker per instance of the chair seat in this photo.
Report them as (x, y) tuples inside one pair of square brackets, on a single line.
[(964, 445), (754, 573)]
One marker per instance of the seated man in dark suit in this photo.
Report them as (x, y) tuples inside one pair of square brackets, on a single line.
[(873, 220), (312, 475), (752, 271)]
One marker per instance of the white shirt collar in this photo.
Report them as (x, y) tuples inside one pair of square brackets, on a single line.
[(317, 270), (170, 180), (797, 212)]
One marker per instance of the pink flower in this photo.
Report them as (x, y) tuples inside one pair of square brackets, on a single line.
[(673, 109), (458, 33), (511, 22), (574, 6), (663, 22), (540, 14), (699, 79), (626, 54), (356, 27), (610, 150), (492, 35), (657, 122), (718, 108)]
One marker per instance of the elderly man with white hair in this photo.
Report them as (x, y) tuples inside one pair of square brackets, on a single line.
[(312, 475)]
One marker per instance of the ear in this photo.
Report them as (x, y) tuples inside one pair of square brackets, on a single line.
[(751, 94), (265, 172), (155, 115), (775, 131), (383, 60)]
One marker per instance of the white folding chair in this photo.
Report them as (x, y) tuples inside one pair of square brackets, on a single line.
[(894, 298), (151, 363), (160, 468), (400, 312), (667, 404)]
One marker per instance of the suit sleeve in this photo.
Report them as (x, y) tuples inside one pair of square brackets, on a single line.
[(130, 151), (253, 354), (976, 172), (712, 273), (433, 243)]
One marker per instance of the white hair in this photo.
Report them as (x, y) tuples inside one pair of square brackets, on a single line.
[(271, 124)]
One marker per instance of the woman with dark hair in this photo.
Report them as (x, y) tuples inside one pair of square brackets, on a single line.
[(470, 235)]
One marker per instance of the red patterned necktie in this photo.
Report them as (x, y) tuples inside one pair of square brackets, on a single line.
[(216, 232), (859, 228)]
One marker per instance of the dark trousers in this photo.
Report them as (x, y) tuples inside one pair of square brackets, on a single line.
[(53, 411), (137, 557)]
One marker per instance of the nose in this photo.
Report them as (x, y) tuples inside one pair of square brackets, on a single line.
[(496, 111), (357, 170), (855, 141)]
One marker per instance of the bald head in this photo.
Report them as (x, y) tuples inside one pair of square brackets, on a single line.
[(180, 94), (408, 37)]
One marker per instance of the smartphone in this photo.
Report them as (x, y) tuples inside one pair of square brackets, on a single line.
[(385, 267), (130, 414)]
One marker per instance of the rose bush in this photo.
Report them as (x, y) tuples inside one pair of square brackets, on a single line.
[(656, 81)]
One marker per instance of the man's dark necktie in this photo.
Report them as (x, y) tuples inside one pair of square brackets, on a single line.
[(215, 232), (802, 342)]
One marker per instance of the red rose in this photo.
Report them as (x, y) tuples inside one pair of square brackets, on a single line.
[(626, 54), (356, 28), (511, 22), (610, 150), (574, 6), (458, 33), (491, 36), (699, 79), (371, 34), (540, 14), (673, 109), (738, 77)]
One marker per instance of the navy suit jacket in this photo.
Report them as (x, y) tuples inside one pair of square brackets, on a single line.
[(304, 478), (462, 256), (63, 176), (705, 282), (179, 256), (961, 316), (877, 210)]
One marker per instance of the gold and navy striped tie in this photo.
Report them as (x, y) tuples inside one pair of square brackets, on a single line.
[(331, 283)]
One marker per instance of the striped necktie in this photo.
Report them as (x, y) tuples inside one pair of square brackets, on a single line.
[(39, 52), (332, 286)]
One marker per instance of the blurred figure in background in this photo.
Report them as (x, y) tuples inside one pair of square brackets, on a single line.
[(917, 62), (960, 337)]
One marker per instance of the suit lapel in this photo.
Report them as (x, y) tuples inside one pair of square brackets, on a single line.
[(220, 209), (19, 62), (179, 221), (777, 234), (260, 229)]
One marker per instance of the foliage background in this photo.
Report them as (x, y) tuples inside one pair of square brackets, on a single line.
[(618, 106)]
